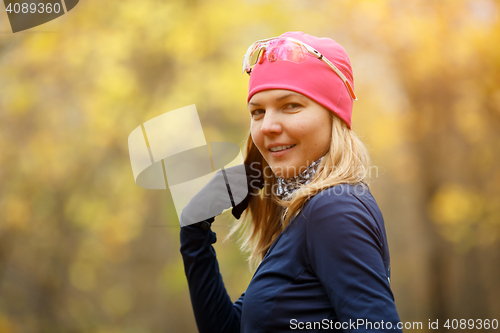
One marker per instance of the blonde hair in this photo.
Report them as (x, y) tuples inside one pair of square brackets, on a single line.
[(346, 161)]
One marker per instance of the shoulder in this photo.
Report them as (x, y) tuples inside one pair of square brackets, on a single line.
[(344, 219), (344, 205), (341, 198)]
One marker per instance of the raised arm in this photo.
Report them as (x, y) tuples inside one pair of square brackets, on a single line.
[(213, 310)]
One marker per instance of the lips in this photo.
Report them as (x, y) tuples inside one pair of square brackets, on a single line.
[(281, 153), (280, 148)]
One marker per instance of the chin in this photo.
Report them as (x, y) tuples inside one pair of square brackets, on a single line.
[(283, 172)]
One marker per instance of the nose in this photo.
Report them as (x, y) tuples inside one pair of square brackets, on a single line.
[(271, 124)]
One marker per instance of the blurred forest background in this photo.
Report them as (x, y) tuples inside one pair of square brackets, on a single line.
[(84, 249)]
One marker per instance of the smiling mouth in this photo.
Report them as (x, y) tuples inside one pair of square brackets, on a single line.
[(280, 148)]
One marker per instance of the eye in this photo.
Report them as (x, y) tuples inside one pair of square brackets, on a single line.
[(257, 112), (292, 106)]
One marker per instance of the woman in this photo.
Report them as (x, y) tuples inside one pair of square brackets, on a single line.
[(315, 227)]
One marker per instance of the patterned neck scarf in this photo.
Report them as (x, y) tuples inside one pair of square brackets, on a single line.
[(286, 187)]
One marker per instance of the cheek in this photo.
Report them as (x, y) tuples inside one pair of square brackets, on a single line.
[(305, 131), (298, 129), (315, 137), (326, 138), (256, 136)]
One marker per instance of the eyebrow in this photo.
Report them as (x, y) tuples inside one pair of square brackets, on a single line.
[(279, 99)]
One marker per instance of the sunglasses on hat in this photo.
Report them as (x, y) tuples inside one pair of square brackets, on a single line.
[(289, 49)]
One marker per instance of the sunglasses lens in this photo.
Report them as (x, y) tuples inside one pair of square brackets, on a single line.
[(274, 50), (283, 49), (254, 56), (250, 57)]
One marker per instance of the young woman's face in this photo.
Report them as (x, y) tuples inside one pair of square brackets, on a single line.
[(290, 130)]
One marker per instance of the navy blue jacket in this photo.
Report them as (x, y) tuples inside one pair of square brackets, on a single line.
[(327, 271)]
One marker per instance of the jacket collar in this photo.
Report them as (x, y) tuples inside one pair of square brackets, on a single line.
[(286, 187)]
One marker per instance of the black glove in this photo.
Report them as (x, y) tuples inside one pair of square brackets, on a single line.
[(255, 180), (228, 188)]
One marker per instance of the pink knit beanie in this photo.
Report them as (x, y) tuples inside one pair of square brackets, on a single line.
[(312, 78)]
